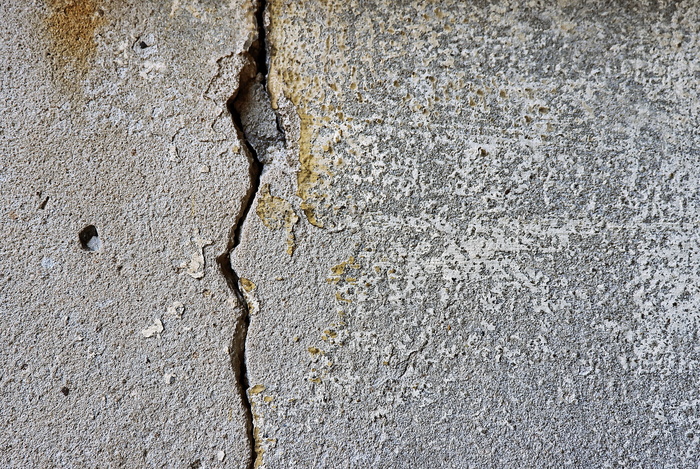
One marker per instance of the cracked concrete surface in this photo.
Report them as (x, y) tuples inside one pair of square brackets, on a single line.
[(473, 240), (495, 261), (115, 342)]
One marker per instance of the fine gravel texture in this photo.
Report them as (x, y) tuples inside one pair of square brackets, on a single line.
[(477, 244), (121, 177)]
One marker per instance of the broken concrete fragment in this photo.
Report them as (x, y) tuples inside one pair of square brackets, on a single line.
[(153, 329), (195, 267), (176, 309)]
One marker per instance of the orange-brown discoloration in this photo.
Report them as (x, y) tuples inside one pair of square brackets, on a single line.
[(72, 24)]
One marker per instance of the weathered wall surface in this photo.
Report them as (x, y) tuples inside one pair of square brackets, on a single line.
[(113, 115), (480, 248), (474, 241)]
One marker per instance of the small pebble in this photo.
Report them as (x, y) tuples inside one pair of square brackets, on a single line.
[(155, 328), (220, 455), (176, 309)]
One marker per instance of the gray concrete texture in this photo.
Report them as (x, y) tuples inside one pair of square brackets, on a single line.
[(474, 241), (115, 354), (497, 255)]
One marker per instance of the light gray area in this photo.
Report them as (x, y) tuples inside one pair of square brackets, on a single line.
[(497, 257), (113, 115)]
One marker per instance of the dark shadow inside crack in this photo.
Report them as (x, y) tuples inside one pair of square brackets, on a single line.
[(257, 127)]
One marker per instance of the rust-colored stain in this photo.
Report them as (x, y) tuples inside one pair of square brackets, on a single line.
[(72, 24)]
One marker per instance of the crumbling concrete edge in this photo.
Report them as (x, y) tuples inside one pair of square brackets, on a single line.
[(255, 64)]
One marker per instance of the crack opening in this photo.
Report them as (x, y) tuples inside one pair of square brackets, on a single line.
[(250, 98), (258, 50)]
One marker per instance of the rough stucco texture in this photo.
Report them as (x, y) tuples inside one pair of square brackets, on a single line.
[(113, 115), (493, 209)]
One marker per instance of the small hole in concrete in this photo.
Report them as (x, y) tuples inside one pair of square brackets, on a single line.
[(65, 390), (89, 239)]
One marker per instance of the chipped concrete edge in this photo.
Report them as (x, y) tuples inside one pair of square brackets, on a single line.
[(253, 70)]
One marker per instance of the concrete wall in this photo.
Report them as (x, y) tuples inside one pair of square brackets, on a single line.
[(461, 234)]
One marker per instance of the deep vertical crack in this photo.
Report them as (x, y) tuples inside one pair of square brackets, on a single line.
[(250, 95), (237, 347)]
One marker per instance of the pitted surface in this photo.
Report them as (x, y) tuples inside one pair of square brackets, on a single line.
[(497, 255), (473, 242)]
